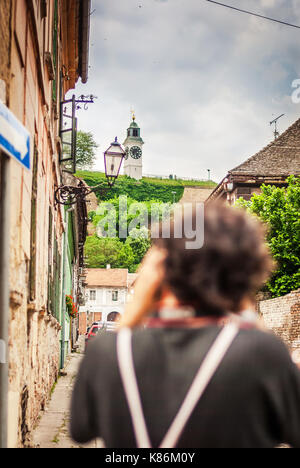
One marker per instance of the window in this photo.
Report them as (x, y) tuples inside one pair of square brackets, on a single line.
[(68, 135), (135, 133), (115, 295), (243, 190), (92, 295)]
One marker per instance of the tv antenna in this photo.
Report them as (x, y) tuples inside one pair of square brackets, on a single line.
[(276, 133)]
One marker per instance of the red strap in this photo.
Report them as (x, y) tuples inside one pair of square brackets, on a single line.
[(197, 322)]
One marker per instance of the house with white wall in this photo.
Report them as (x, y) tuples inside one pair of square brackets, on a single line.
[(107, 291)]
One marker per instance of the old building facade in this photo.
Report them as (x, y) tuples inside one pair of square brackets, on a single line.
[(44, 51), (107, 291)]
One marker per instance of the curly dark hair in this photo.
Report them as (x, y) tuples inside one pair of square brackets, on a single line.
[(232, 265)]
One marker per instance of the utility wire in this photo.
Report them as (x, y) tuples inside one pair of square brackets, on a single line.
[(253, 14)]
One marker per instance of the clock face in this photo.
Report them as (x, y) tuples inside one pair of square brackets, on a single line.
[(135, 152), (126, 152)]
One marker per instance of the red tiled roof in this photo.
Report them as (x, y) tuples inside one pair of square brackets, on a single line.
[(280, 158), (275, 162), (113, 277)]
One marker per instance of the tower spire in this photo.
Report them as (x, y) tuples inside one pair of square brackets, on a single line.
[(132, 115)]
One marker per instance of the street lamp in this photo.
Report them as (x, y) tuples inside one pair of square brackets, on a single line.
[(113, 158), (228, 185)]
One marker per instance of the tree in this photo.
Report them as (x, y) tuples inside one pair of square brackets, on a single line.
[(105, 250), (279, 208), (116, 216), (123, 212), (85, 150), (139, 242)]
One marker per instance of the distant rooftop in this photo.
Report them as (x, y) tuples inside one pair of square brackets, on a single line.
[(111, 277), (280, 158)]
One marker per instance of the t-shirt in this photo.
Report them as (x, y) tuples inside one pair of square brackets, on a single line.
[(252, 401)]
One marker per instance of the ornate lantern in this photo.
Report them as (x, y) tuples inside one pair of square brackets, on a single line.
[(113, 158)]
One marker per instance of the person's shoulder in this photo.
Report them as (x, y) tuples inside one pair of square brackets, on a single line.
[(265, 344)]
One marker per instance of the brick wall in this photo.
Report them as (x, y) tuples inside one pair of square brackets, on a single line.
[(282, 315)]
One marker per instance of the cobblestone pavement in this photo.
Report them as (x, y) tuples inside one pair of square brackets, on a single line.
[(52, 430)]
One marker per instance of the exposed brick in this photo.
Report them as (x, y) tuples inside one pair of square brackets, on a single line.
[(282, 315)]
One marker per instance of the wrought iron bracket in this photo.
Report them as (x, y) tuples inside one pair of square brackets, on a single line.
[(70, 195), (85, 100)]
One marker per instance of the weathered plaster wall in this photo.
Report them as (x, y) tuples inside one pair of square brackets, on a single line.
[(34, 334)]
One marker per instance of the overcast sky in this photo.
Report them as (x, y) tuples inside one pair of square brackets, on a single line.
[(204, 81)]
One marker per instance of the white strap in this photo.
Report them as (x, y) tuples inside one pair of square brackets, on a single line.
[(205, 373), (125, 359)]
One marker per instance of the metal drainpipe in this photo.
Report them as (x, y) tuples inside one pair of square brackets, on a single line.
[(63, 308), (63, 299), (85, 10), (4, 295)]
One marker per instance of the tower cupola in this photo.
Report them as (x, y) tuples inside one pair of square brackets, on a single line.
[(134, 155)]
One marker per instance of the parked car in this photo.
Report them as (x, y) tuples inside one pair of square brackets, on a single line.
[(110, 326), (107, 326), (94, 330), (88, 330)]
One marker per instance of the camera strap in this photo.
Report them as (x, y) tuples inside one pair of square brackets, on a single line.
[(204, 375)]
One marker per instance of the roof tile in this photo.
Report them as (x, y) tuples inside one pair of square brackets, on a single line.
[(280, 158), (112, 277)]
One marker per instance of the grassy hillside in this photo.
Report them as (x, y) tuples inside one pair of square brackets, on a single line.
[(145, 189)]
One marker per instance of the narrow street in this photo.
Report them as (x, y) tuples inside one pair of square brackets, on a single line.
[(164, 134), (52, 430)]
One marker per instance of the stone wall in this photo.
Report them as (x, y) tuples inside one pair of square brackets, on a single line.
[(282, 315), (37, 225), (92, 205), (5, 34), (33, 334)]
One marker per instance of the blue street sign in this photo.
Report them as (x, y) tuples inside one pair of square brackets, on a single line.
[(14, 138)]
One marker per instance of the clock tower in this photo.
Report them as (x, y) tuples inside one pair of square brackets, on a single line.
[(133, 166)]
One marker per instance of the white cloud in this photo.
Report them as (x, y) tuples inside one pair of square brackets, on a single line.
[(198, 76)]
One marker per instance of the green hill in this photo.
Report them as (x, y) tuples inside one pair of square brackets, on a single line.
[(145, 189)]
